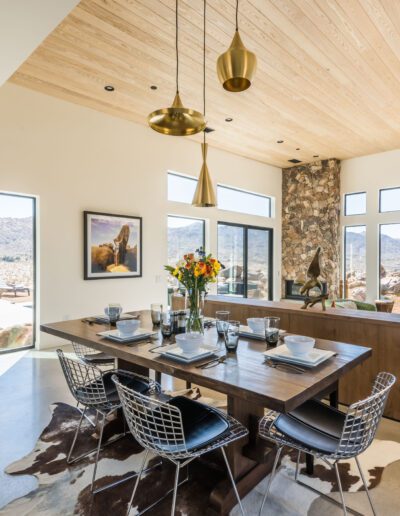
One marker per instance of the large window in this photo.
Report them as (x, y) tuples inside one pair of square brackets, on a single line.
[(17, 272), (241, 201), (355, 203), (355, 268), (181, 188), (389, 199), (246, 252), (185, 235), (389, 246)]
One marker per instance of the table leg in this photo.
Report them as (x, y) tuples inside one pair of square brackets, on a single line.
[(130, 366), (251, 459)]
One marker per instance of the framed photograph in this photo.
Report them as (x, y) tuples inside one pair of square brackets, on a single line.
[(113, 246)]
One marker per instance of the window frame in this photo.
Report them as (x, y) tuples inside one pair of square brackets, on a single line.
[(380, 252), (35, 296), (344, 253), (380, 201), (246, 228), (241, 190), (345, 204), (182, 176)]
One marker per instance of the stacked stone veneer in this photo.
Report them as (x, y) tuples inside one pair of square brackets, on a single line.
[(311, 217)]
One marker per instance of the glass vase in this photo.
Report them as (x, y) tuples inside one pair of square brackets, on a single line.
[(194, 306)]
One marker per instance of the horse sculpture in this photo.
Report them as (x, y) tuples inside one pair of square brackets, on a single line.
[(313, 273)]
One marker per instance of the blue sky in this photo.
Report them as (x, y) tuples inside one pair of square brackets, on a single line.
[(13, 206)]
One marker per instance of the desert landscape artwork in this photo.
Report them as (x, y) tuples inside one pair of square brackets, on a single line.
[(113, 246)]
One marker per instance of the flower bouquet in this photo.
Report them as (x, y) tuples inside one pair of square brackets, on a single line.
[(194, 272)]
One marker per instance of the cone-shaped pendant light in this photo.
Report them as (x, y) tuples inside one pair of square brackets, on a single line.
[(176, 120), (204, 196), (237, 65)]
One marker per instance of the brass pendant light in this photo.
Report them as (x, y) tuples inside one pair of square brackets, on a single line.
[(237, 65), (204, 196), (176, 120)]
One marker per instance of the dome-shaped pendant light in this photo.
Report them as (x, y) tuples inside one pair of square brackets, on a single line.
[(204, 196), (176, 120), (237, 65)]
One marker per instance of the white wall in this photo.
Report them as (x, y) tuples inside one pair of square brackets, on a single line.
[(24, 24), (77, 159), (369, 174)]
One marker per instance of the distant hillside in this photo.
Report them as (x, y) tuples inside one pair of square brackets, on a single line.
[(15, 236), (390, 249)]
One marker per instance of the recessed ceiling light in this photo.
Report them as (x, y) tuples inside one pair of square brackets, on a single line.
[(316, 156), (279, 141), (229, 119), (108, 87), (294, 160), (297, 148), (153, 87)]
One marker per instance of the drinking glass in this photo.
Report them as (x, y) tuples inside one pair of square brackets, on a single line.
[(156, 311), (113, 312), (222, 318), (231, 336), (271, 330), (166, 325)]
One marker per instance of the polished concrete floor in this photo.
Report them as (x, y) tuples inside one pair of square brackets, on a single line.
[(29, 383)]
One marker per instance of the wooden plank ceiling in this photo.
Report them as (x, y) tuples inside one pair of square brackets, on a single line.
[(327, 84)]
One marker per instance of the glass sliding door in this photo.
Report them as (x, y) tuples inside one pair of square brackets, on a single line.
[(17, 272), (355, 263), (389, 251), (246, 252)]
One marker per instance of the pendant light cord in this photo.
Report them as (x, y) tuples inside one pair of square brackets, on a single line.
[(176, 46), (237, 15), (204, 66)]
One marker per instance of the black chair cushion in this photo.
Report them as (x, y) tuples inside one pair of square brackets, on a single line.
[(202, 425), (313, 425), (98, 359), (134, 383)]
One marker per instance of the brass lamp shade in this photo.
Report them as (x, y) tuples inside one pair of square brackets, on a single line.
[(236, 66), (176, 120), (204, 196)]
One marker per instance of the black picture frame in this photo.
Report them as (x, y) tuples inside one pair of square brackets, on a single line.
[(118, 256)]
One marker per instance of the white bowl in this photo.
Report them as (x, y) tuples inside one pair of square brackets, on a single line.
[(128, 326), (256, 324), (299, 345), (189, 342)]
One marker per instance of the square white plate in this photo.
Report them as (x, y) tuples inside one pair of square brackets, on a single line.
[(311, 359), (116, 336), (247, 332), (176, 353)]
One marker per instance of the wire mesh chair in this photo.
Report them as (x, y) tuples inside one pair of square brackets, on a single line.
[(159, 427), (92, 357), (95, 390), (359, 426)]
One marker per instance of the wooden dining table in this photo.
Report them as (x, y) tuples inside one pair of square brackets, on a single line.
[(251, 386)]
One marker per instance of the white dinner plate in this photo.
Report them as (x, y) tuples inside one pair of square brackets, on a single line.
[(248, 333), (311, 359), (117, 336), (176, 353)]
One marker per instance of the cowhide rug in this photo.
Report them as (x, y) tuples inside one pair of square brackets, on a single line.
[(66, 489)]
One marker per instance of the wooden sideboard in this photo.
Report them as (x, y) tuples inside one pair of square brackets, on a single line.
[(377, 330)]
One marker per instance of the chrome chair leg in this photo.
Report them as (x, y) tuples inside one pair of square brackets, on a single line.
[(86, 417), (175, 489), (232, 480), (98, 451), (340, 488), (296, 475), (75, 437), (278, 454), (137, 482), (365, 486)]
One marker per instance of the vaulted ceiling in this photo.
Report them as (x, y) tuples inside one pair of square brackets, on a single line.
[(327, 84)]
